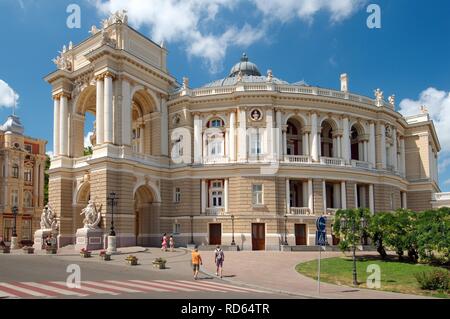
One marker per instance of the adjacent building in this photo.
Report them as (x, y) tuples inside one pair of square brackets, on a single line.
[(249, 157), (22, 163)]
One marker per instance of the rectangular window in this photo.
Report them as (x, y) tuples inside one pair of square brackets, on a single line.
[(26, 229), (15, 171), (177, 195), (14, 198), (7, 229), (257, 194), (255, 143), (176, 228), (28, 148), (27, 175)]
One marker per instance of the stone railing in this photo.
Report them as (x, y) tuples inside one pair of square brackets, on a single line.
[(332, 161), (361, 164), (281, 88), (215, 211), (441, 196), (215, 160), (331, 211), (81, 161), (300, 211), (301, 159)]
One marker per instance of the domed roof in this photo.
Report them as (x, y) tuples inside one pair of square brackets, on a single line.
[(13, 125), (244, 66)]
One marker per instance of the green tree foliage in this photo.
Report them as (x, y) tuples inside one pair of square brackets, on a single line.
[(88, 151), (379, 228)]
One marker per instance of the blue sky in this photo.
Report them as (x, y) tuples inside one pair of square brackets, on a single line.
[(311, 40)]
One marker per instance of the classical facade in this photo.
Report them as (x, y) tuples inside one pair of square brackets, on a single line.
[(249, 155), (22, 163)]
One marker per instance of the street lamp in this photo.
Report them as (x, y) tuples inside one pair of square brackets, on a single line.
[(285, 230), (15, 210), (192, 231), (112, 201), (233, 243)]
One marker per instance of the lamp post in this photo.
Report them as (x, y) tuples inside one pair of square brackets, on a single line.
[(192, 231), (14, 243), (112, 241), (285, 230), (233, 243)]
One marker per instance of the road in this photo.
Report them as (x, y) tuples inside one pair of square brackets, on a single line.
[(35, 276)]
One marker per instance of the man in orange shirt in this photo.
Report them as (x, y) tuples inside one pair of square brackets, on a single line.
[(196, 262)]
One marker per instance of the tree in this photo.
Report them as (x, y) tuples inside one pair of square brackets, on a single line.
[(88, 151), (433, 235), (350, 226), (379, 228)]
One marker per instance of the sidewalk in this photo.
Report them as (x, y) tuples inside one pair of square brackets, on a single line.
[(276, 271)]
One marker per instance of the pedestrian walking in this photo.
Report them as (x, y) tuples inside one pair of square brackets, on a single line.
[(219, 258), (164, 242), (171, 243), (196, 262)]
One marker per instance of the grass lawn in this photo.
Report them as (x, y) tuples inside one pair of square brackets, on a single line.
[(395, 276)]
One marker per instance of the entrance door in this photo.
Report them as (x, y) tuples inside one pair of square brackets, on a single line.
[(258, 237), (215, 234), (300, 234)]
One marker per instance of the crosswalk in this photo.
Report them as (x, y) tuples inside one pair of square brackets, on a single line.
[(58, 289)]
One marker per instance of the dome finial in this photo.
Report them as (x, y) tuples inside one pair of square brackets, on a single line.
[(244, 57)]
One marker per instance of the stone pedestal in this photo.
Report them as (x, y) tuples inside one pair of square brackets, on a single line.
[(39, 238), (112, 245), (14, 243), (89, 239)]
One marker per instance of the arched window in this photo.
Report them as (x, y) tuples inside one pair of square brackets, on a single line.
[(216, 123), (28, 199)]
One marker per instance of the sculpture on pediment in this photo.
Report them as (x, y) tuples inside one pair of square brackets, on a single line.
[(117, 17), (388, 131), (107, 38), (379, 97), (392, 100), (63, 62), (92, 216), (269, 75), (48, 219), (423, 109), (94, 30), (185, 83)]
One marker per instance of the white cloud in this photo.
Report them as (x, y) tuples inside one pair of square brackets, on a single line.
[(190, 22), (87, 140), (285, 10), (447, 182), (7, 95)]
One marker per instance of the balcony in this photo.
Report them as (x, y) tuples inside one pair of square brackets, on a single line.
[(298, 159), (361, 164), (215, 211), (330, 161), (300, 211), (215, 160)]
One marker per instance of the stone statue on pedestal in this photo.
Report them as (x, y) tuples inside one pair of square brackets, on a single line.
[(92, 216), (49, 226)]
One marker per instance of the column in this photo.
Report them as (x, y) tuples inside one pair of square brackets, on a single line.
[(288, 196), (232, 136), (372, 147), (242, 135), (366, 151), (371, 199), (126, 113), (339, 146), (6, 196), (310, 196), (404, 201), (360, 151), (164, 127), (203, 196), (36, 174), (314, 138), (383, 145), (335, 152), (225, 192), (270, 150), (108, 111), (402, 156), (279, 136), (64, 126), (343, 195), (324, 194), (198, 142), (305, 194), (284, 143), (100, 111), (346, 150), (356, 196), (395, 150), (336, 195), (56, 125)]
